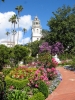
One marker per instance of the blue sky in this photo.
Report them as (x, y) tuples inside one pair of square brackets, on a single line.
[(42, 8)]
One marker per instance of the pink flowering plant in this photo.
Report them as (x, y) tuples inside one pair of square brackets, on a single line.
[(34, 74), (42, 74), (51, 73), (54, 63), (39, 75)]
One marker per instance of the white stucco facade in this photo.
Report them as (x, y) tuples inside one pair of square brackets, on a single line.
[(7, 43), (36, 30)]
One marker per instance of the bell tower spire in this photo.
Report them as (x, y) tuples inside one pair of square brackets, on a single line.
[(36, 30)]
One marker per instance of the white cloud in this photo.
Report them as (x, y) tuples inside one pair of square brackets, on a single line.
[(5, 25), (25, 22)]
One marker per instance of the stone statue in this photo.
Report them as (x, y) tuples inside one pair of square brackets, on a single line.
[(56, 58)]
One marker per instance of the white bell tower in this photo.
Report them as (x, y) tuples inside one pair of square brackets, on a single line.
[(36, 30)]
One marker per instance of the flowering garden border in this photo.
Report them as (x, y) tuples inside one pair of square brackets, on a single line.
[(55, 82)]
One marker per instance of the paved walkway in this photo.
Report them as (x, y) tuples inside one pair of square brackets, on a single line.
[(66, 88)]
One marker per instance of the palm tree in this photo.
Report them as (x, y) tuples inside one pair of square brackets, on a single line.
[(19, 9), (7, 33), (24, 30), (14, 32), (3, 0), (13, 21)]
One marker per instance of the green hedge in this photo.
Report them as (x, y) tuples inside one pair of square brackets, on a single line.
[(18, 84), (37, 96), (43, 88)]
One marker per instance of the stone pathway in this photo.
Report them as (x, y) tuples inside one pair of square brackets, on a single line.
[(66, 88)]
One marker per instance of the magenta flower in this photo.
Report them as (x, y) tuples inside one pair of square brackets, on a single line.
[(36, 85), (48, 70)]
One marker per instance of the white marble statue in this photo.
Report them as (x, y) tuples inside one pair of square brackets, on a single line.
[(56, 58)]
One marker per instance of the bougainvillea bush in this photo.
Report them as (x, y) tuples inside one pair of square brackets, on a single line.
[(56, 48), (46, 52), (44, 47)]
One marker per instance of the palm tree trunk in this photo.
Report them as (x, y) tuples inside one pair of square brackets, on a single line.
[(7, 39), (23, 38), (11, 37), (14, 36), (18, 29)]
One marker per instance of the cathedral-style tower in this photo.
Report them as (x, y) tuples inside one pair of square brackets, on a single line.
[(36, 30)]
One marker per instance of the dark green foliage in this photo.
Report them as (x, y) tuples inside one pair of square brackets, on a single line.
[(20, 52), (44, 58), (37, 96), (4, 56), (1, 86), (28, 59), (34, 46), (72, 62), (62, 27), (65, 56), (6, 71), (43, 88), (12, 56), (73, 51), (45, 33), (18, 84)]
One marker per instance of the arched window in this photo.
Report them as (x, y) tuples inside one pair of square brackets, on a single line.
[(36, 23), (37, 30)]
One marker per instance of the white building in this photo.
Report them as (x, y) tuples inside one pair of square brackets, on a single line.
[(8, 43), (36, 30)]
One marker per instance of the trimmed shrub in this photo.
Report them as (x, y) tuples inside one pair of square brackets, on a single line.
[(37, 96), (18, 84), (43, 88)]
